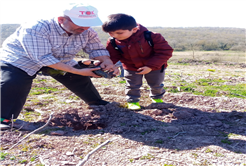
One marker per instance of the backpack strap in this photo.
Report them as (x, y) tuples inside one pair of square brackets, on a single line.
[(112, 41), (147, 36)]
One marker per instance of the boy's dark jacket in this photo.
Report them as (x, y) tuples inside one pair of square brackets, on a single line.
[(138, 53)]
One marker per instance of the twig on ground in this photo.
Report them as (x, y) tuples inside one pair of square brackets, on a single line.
[(12, 122), (237, 94), (178, 134), (20, 127), (42, 161), (19, 135), (33, 131), (74, 150), (170, 159), (93, 151), (87, 125), (235, 145)]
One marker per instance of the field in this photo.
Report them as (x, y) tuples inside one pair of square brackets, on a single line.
[(202, 122), (211, 56)]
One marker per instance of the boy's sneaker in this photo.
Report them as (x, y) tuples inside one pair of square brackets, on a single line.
[(157, 101), (133, 106), (4, 126)]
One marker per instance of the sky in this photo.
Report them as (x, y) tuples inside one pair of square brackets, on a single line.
[(150, 13)]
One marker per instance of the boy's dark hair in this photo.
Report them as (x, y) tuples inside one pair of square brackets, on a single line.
[(119, 21)]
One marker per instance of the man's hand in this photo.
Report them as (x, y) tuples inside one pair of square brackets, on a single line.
[(144, 70), (70, 69), (88, 72), (114, 72), (107, 64), (88, 62)]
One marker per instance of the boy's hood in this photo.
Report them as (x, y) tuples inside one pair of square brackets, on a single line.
[(140, 30)]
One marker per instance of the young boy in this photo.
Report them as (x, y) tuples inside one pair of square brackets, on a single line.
[(138, 57)]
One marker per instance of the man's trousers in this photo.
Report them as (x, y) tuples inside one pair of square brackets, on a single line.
[(16, 84)]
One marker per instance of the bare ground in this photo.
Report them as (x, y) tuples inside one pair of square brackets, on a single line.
[(186, 130)]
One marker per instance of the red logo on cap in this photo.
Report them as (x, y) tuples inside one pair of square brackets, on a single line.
[(87, 12)]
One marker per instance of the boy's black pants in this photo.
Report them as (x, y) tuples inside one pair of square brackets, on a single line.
[(16, 84)]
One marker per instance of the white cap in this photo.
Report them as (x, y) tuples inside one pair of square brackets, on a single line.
[(83, 15)]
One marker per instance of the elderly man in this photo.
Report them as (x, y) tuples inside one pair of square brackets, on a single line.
[(50, 46)]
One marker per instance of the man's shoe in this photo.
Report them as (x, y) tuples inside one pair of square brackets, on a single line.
[(157, 101), (4, 126), (99, 102), (133, 106)]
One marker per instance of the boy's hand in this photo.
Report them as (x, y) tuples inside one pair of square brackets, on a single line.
[(107, 65), (144, 70), (116, 71)]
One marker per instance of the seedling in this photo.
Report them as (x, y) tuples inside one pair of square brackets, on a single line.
[(232, 135), (104, 147), (219, 155), (149, 156), (23, 161), (212, 70), (226, 141), (12, 158), (95, 145), (208, 150), (159, 141), (42, 90), (122, 82), (3, 155), (33, 158), (195, 155), (40, 164), (204, 162), (26, 148)]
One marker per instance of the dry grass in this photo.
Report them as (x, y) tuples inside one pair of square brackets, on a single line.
[(211, 56)]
